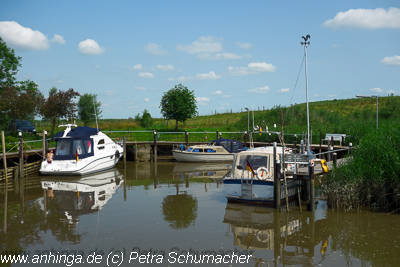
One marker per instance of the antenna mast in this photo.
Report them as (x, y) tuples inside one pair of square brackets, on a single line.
[(95, 113), (306, 43)]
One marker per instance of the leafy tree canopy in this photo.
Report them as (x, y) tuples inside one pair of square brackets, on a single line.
[(9, 64), (59, 105), (88, 108), (179, 103)]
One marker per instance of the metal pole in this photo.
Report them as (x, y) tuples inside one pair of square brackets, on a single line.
[(277, 182), (308, 110), (253, 119)]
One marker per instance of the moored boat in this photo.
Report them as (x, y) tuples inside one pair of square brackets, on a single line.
[(217, 150), (81, 151)]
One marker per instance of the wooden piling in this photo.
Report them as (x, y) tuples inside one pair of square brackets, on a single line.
[(155, 145), (20, 156), (44, 145), (320, 142), (217, 135), (277, 181), (3, 143), (136, 151), (350, 146), (124, 147), (311, 190), (186, 138), (245, 138), (334, 156)]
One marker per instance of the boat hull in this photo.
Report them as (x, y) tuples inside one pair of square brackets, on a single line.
[(247, 190), (201, 157), (83, 167)]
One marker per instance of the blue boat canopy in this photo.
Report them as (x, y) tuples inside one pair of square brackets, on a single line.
[(82, 132), (233, 146)]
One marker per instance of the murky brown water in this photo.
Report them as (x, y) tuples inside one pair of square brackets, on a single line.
[(175, 209)]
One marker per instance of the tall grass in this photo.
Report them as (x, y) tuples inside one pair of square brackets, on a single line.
[(372, 177)]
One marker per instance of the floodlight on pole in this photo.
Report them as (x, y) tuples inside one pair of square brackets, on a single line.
[(377, 106), (306, 43)]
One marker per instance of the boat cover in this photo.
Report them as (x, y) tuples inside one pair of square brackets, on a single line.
[(81, 132), (233, 146)]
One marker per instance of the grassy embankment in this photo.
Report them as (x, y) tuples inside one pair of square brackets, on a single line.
[(354, 117)]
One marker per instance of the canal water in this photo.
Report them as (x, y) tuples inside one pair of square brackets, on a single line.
[(176, 214)]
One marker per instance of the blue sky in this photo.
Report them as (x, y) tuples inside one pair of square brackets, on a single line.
[(233, 54)]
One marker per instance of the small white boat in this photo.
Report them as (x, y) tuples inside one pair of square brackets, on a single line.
[(252, 175), (218, 150), (81, 151)]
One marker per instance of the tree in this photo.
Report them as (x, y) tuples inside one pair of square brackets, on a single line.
[(88, 108), (58, 105), (145, 119), (20, 101), (9, 64), (179, 103)]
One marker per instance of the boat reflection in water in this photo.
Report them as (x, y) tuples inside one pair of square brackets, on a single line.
[(202, 170), (88, 194), (284, 235)]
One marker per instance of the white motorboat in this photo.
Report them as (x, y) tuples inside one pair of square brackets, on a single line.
[(81, 151), (218, 150), (252, 175)]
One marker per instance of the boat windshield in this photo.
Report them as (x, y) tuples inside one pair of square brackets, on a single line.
[(255, 161), (69, 148)]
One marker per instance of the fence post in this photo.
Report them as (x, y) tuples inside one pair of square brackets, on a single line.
[(21, 156), (155, 145), (217, 135), (186, 138), (277, 182)]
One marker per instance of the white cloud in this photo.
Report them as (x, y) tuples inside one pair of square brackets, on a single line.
[(252, 68), (218, 92), (202, 100), (378, 18), (245, 46), (137, 67), (147, 75), (376, 90), (219, 56), (58, 39), (260, 90), (394, 60), (284, 90), (140, 88), (19, 36), (146, 99), (203, 45), (167, 67), (90, 47), (208, 76), (155, 49)]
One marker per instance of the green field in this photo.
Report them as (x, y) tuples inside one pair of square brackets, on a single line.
[(354, 117)]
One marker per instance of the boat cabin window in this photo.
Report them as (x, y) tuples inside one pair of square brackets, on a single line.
[(255, 161), (198, 150), (68, 148), (100, 144), (189, 149), (210, 150)]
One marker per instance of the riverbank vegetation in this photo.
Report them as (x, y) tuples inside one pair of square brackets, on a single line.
[(372, 177)]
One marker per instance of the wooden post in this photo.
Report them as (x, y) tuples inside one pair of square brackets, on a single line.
[(135, 151), (124, 147), (311, 190), (295, 142), (342, 141), (302, 146), (155, 145), (332, 142), (245, 138), (186, 138), (44, 145), (205, 136), (334, 159), (3, 143), (277, 181), (350, 146), (21, 156), (217, 135)]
